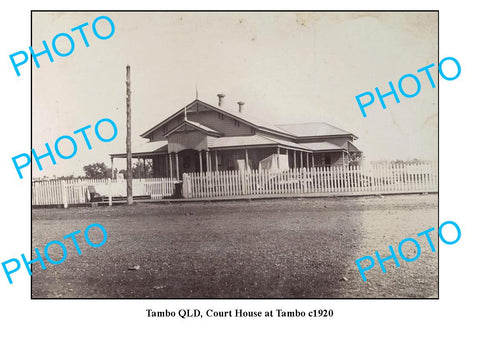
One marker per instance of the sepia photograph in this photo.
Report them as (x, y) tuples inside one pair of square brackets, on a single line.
[(234, 155)]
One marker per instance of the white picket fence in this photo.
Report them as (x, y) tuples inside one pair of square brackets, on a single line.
[(380, 178), (65, 192)]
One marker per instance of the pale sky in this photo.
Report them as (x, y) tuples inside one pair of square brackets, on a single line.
[(286, 67)]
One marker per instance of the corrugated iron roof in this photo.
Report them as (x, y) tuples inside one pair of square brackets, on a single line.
[(240, 141), (246, 117), (146, 149), (293, 130), (352, 147), (255, 140), (161, 147), (288, 143), (313, 129), (322, 146)]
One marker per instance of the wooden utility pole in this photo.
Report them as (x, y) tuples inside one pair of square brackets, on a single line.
[(129, 141)]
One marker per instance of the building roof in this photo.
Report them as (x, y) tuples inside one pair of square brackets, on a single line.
[(313, 130), (195, 125), (203, 127), (240, 141), (252, 141), (289, 136), (146, 149), (247, 118), (233, 142), (323, 146), (352, 147), (288, 144), (260, 140), (285, 130)]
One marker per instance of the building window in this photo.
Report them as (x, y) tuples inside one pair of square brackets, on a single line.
[(220, 116), (252, 130), (165, 129), (237, 124)]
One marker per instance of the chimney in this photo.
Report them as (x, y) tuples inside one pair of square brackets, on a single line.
[(220, 99), (240, 106)]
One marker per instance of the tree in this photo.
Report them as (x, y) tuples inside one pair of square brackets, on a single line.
[(97, 171), (407, 162), (69, 177), (139, 171)]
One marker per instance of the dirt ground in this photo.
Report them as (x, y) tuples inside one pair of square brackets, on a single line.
[(292, 248)]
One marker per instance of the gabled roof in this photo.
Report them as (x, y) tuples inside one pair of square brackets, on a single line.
[(292, 131), (149, 131), (241, 117), (314, 130), (248, 119), (196, 126)]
